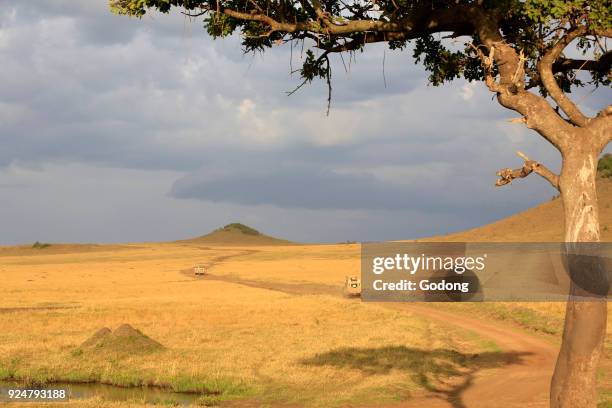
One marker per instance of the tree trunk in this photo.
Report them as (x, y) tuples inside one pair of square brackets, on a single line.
[(574, 380)]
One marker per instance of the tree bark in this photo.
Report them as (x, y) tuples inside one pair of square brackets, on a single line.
[(574, 380)]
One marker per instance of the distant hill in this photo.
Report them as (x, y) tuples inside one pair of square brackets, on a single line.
[(237, 234), (543, 223), (39, 248)]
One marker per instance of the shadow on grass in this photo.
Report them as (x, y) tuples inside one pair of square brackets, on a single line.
[(446, 373)]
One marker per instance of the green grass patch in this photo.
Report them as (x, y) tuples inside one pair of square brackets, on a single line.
[(245, 229), (40, 245), (604, 166), (166, 402), (212, 388), (523, 316), (7, 373), (480, 343), (605, 400)]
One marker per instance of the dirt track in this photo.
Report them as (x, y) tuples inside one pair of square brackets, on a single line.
[(520, 377), (523, 380)]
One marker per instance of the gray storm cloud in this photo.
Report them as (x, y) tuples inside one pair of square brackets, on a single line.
[(155, 115)]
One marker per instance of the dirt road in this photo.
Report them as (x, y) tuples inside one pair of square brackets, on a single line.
[(520, 376), (523, 380)]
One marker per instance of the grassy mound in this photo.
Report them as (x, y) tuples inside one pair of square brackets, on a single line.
[(40, 245), (237, 234), (236, 226), (98, 337), (124, 340)]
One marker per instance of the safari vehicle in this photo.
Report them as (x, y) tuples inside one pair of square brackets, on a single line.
[(199, 270), (352, 286)]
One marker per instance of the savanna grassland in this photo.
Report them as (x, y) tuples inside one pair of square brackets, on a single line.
[(269, 325), (224, 339)]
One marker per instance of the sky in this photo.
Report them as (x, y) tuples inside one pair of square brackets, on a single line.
[(122, 130)]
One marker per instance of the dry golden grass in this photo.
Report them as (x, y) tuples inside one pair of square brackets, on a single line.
[(219, 336), (86, 403)]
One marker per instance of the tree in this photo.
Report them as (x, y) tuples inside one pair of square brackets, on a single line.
[(517, 47)]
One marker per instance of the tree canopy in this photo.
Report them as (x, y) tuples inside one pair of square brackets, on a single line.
[(533, 28)]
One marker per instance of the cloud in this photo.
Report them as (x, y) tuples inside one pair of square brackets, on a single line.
[(151, 98), (322, 189), (467, 91), (168, 124), (86, 203)]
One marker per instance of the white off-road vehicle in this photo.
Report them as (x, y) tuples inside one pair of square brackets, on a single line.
[(199, 270), (352, 286)]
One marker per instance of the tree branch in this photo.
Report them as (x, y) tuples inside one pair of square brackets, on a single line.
[(321, 15), (602, 65), (487, 66), (538, 113), (458, 19), (601, 126), (530, 166), (545, 68), (360, 40)]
